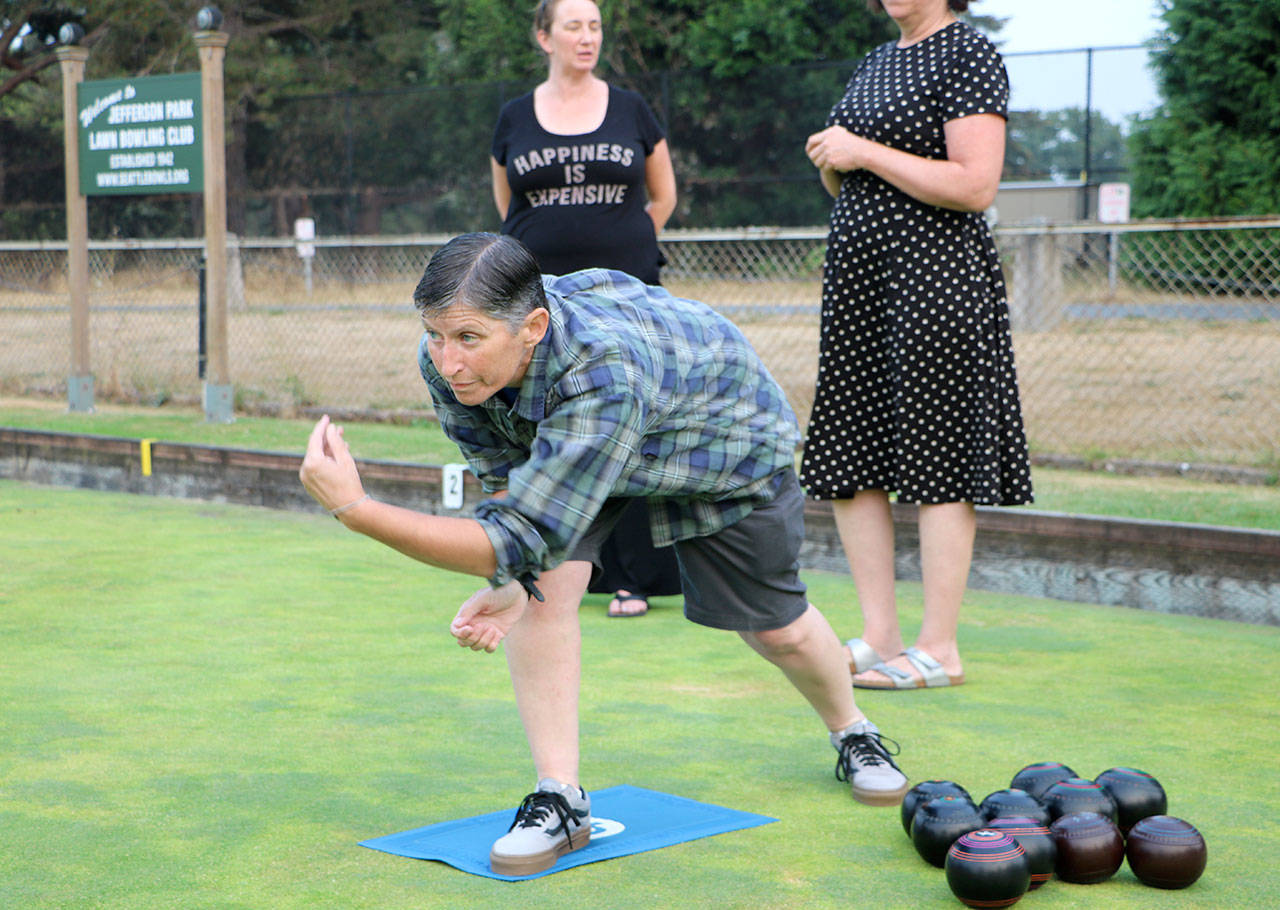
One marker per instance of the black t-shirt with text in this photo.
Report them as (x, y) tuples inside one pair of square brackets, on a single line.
[(578, 201)]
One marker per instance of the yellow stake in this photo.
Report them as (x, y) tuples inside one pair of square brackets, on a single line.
[(146, 457)]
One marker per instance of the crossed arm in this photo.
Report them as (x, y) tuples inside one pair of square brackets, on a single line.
[(966, 180)]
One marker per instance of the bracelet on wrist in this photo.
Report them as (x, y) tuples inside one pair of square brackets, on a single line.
[(351, 505)]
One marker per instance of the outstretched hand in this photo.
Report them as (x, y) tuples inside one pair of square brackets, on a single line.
[(328, 471), (488, 615)]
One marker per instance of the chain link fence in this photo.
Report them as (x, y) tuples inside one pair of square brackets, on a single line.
[(1156, 342)]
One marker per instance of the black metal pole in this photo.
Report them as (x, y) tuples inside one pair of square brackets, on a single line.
[(202, 355), (1086, 173), (349, 151)]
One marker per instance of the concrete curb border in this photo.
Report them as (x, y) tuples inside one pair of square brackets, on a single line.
[(1198, 570)]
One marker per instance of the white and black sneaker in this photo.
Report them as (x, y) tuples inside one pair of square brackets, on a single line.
[(866, 764), (552, 820)]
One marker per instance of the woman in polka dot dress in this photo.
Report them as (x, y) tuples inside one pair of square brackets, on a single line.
[(917, 393)]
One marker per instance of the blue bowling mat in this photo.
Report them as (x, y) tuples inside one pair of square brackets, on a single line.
[(625, 820)]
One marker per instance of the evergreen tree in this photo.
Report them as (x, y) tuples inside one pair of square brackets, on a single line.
[(363, 105), (1213, 146)]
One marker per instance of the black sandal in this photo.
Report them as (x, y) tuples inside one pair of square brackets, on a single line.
[(627, 597)]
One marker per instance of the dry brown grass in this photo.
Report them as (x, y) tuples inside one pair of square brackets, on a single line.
[(1186, 391), (1169, 391)]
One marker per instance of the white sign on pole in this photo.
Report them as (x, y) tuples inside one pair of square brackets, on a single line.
[(304, 230), (1113, 203)]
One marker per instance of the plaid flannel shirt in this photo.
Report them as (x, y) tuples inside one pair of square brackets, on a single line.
[(632, 392)]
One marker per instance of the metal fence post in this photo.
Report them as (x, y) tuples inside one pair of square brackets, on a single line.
[(1113, 261), (202, 320)]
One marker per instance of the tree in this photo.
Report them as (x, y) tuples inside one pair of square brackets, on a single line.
[(30, 145), (1213, 146), (278, 47), (708, 67), (332, 102), (491, 40), (1050, 145), (28, 34), (735, 38)]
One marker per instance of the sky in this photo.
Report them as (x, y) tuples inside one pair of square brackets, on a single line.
[(1122, 84)]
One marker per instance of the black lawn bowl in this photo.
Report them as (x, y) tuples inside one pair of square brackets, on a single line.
[(1136, 793), (1013, 802), (1035, 840), (939, 822), (1037, 778), (987, 868), (925, 791), (1076, 794)]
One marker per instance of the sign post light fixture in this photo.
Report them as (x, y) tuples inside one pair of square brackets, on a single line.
[(212, 44)]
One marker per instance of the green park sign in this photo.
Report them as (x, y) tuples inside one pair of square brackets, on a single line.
[(140, 135)]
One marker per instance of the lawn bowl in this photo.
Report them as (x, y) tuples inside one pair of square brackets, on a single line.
[(939, 822), (1037, 778), (1090, 848), (1035, 840), (1076, 794), (1166, 852), (925, 791), (1136, 793), (1013, 802), (987, 868)]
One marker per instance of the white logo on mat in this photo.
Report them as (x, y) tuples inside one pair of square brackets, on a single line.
[(605, 827)]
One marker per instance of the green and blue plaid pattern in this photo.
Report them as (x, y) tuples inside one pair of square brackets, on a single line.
[(633, 392)]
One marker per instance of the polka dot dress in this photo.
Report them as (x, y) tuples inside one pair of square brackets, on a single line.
[(917, 392)]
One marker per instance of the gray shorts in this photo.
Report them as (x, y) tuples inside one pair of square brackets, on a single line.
[(745, 577)]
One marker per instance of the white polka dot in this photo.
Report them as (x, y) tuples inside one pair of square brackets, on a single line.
[(917, 391)]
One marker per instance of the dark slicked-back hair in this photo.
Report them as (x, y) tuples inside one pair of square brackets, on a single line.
[(957, 6), (492, 273), (544, 14)]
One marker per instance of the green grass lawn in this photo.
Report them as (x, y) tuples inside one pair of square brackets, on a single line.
[(1077, 492), (420, 442), (207, 705)]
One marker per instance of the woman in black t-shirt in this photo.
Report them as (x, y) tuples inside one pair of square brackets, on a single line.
[(582, 176), (579, 201)]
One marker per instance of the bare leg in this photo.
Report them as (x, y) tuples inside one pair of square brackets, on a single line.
[(865, 525), (946, 550), (544, 656), (809, 653)]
